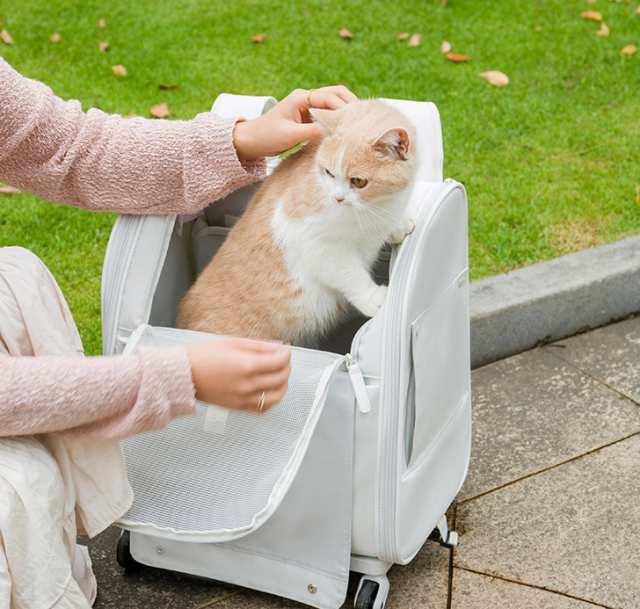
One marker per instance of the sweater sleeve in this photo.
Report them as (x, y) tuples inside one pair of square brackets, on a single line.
[(106, 162), (105, 397)]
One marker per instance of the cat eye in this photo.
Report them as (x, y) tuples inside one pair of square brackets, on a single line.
[(329, 173), (359, 182)]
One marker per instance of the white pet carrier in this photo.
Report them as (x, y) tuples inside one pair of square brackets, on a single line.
[(358, 464)]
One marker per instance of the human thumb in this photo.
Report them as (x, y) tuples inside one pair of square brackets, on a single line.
[(309, 132)]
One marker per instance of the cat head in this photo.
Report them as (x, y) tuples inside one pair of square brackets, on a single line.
[(367, 155)]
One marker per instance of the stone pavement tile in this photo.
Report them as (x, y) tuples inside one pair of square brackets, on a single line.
[(422, 584), (473, 591), (611, 354), (149, 588), (532, 411), (574, 529)]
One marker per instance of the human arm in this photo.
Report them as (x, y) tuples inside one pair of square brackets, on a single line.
[(115, 397), (101, 162)]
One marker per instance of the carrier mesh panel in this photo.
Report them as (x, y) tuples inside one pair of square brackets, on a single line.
[(187, 479)]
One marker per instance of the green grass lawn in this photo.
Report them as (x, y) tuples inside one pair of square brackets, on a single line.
[(551, 162)]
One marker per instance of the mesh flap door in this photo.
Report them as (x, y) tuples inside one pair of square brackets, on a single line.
[(212, 483), (303, 552)]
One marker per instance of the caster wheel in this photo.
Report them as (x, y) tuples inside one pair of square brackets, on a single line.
[(372, 592), (444, 535), (367, 595), (123, 553)]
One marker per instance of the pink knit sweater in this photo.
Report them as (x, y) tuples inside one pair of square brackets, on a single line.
[(103, 162)]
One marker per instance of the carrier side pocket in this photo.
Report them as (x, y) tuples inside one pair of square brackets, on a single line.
[(439, 348)]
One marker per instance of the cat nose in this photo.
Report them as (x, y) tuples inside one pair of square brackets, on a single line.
[(339, 198)]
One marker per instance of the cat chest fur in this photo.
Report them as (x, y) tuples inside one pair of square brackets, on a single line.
[(314, 247)]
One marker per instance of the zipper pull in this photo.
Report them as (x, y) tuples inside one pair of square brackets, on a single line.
[(357, 381)]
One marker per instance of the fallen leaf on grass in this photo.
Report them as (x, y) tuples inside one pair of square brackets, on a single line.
[(402, 35), (638, 195), (457, 57), (638, 10), (345, 34), (591, 1), (591, 15), (8, 190), (258, 38), (102, 23), (630, 49), (103, 45), (604, 30), (6, 37), (55, 37), (119, 70), (445, 47), (167, 86), (415, 41), (495, 78), (159, 110)]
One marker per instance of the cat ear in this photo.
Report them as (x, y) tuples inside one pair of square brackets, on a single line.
[(394, 144), (327, 119)]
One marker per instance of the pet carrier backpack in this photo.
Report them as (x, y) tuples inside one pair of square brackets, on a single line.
[(359, 463)]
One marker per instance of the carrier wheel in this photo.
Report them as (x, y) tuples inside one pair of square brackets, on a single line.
[(372, 592), (123, 553), (444, 535)]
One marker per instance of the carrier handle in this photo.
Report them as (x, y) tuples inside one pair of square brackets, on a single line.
[(229, 105)]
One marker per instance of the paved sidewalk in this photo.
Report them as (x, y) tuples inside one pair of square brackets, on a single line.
[(549, 516)]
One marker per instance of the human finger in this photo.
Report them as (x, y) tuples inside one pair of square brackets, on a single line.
[(331, 98), (263, 401), (272, 381), (306, 132), (256, 346), (346, 94), (271, 362)]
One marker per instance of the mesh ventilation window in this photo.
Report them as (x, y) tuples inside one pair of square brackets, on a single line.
[(188, 480)]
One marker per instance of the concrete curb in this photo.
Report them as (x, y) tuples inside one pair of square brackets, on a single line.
[(516, 311)]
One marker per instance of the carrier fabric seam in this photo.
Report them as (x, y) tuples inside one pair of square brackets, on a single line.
[(129, 239), (122, 279), (389, 480), (158, 269), (264, 514), (436, 302), (111, 270)]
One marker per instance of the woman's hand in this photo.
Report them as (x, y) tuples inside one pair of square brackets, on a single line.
[(288, 123), (235, 372)]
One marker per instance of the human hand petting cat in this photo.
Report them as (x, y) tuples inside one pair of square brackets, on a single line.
[(235, 372), (288, 123)]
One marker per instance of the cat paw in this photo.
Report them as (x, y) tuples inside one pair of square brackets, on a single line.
[(371, 302), (400, 233)]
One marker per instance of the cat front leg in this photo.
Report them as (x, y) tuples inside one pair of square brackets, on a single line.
[(370, 300), (354, 282), (402, 231)]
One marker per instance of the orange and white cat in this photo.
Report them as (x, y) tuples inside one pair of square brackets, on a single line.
[(305, 246)]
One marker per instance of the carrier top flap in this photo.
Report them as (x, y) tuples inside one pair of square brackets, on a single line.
[(212, 478)]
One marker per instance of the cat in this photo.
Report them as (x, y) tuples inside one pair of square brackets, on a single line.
[(305, 246)]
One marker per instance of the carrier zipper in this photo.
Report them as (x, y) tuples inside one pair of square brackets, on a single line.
[(390, 395), (358, 384)]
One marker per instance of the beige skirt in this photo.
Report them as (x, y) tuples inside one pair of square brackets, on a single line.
[(49, 484)]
